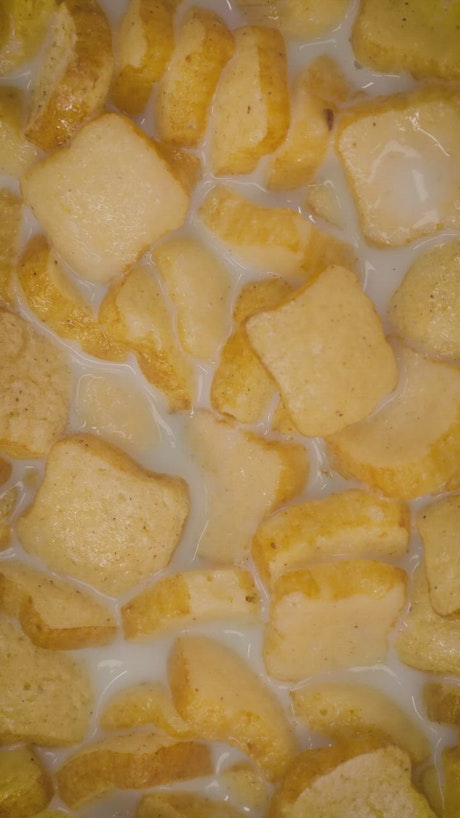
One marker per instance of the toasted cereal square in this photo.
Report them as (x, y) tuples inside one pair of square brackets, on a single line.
[(184, 805), (142, 704), (8, 500), (297, 19), (10, 224), (16, 153), (439, 526), (25, 785), (442, 702), (23, 25)]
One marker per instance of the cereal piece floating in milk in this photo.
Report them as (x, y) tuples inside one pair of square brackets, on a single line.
[(297, 19), (142, 704), (25, 785), (439, 526), (186, 805), (23, 28)]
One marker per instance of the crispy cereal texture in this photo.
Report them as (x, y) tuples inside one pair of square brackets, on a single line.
[(351, 523), (81, 202), (101, 518), (22, 30), (439, 526), (184, 805), (16, 154), (223, 699), (297, 19), (442, 702), (411, 446), (332, 616), (246, 477), (25, 786), (325, 349), (8, 500), (129, 762), (46, 695), (10, 224), (145, 703)]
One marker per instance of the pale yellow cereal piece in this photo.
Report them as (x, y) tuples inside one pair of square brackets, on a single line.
[(100, 517), (250, 111), (450, 765), (282, 423), (147, 703), (246, 786), (442, 702), (184, 805), (16, 153), (23, 25), (322, 200), (8, 500), (10, 224), (223, 699), (439, 526), (79, 195), (326, 350), (331, 616), (243, 472), (351, 523), (297, 19), (25, 785)]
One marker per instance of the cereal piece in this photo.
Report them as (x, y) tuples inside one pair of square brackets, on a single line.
[(148, 703), (430, 787), (129, 762), (53, 613), (221, 698), (5, 470), (350, 523), (327, 379), (402, 164), (204, 45), (438, 526), (442, 702), (8, 500), (450, 763), (185, 164), (46, 696), (184, 805), (25, 786), (35, 385), (246, 786), (332, 616), (22, 30), (10, 224), (244, 473), (322, 200), (79, 195), (179, 600), (16, 153), (250, 111), (100, 517), (297, 19), (425, 307), (410, 446)]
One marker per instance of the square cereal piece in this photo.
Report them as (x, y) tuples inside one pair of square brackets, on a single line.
[(439, 527)]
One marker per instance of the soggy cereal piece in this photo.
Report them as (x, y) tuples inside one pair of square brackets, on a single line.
[(8, 500), (179, 600), (410, 446), (100, 517), (326, 351), (394, 147), (35, 385), (439, 526), (246, 477), (204, 45), (297, 19), (351, 523), (53, 613), (16, 153), (129, 762), (135, 313), (250, 110), (10, 224), (450, 766), (142, 704), (332, 616), (425, 307), (442, 702), (25, 785), (46, 695), (321, 198), (23, 25), (79, 195), (246, 786), (200, 288), (223, 699), (184, 805)]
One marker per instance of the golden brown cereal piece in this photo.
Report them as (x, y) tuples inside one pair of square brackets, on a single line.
[(100, 517), (184, 805), (204, 45), (325, 349), (439, 526), (297, 19), (246, 786), (179, 600), (46, 695), (351, 523), (250, 111), (450, 765), (246, 477), (199, 287), (425, 307), (410, 446), (8, 500), (25, 786), (185, 164), (129, 762), (53, 613), (147, 703), (442, 702), (16, 153), (79, 195), (222, 698), (393, 147), (135, 313), (331, 616), (23, 24), (35, 387), (10, 224)]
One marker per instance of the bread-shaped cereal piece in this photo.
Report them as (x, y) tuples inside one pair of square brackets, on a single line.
[(129, 762), (332, 616), (223, 699), (341, 710), (442, 702), (135, 313), (424, 308), (101, 518), (143, 46), (145, 703), (16, 153), (411, 446), (420, 39), (296, 19), (101, 221), (184, 805), (8, 499), (10, 224), (203, 46), (199, 287), (250, 110), (352, 523), (245, 477), (23, 25), (179, 600), (35, 384), (391, 145), (53, 613), (328, 378), (439, 525), (46, 695), (25, 785)]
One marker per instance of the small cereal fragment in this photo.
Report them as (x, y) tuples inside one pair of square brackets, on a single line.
[(25, 786), (8, 500), (332, 616), (23, 25), (326, 350), (184, 805), (442, 702), (321, 198), (101, 518), (297, 19), (439, 527), (10, 223), (16, 153), (142, 704)]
